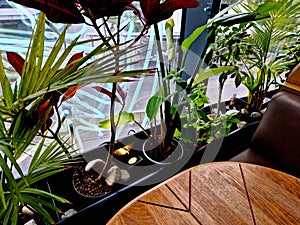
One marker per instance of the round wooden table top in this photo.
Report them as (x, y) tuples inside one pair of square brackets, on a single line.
[(218, 193)]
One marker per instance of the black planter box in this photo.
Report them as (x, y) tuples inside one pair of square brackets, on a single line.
[(99, 210)]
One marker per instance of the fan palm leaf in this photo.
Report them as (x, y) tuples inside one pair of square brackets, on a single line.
[(267, 38)]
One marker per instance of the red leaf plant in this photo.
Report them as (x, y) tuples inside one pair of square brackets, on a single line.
[(154, 11), (50, 100), (72, 11), (16, 61), (105, 8), (60, 11)]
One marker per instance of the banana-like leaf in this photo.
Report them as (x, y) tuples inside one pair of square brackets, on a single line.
[(123, 118), (209, 72), (154, 104), (170, 39)]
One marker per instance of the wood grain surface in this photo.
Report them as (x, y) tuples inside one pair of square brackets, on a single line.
[(218, 193)]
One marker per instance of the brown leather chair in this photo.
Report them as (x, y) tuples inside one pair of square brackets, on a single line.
[(276, 141)]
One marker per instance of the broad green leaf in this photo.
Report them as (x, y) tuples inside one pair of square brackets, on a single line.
[(170, 39), (209, 72), (186, 44), (198, 31), (124, 118), (265, 9), (154, 104), (233, 19), (203, 115), (177, 133)]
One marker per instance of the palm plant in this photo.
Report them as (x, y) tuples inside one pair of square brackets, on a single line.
[(26, 111), (260, 59)]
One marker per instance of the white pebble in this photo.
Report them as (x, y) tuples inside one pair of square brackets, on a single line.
[(31, 222), (68, 213), (27, 211), (113, 175), (125, 175), (96, 164), (244, 111), (232, 111), (241, 124), (255, 115)]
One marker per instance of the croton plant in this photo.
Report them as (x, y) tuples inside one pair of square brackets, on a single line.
[(73, 11)]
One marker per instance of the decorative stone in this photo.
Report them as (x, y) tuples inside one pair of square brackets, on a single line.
[(125, 175), (255, 115), (68, 213), (244, 111), (232, 111), (31, 222), (241, 124), (97, 165), (27, 211), (113, 175), (263, 111)]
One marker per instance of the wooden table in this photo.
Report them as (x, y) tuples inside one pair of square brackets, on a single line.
[(218, 193)]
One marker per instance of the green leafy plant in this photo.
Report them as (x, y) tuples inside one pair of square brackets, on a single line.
[(254, 47), (27, 109), (181, 101), (43, 86)]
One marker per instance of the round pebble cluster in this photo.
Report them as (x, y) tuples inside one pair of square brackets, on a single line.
[(86, 183)]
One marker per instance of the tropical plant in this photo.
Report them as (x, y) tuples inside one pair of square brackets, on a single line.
[(166, 103), (254, 47), (192, 97), (43, 86), (179, 102), (28, 107)]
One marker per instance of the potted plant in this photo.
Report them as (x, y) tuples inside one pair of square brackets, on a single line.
[(81, 69), (27, 109), (165, 102), (254, 48)]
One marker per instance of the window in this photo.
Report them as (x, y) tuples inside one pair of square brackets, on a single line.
[(88, 106)]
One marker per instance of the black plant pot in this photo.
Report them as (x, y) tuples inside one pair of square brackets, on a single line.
[(98, 210)]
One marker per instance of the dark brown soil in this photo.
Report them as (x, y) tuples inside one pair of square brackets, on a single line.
[(87, 184), (154, 150)]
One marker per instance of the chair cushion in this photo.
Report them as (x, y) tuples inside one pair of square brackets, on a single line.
[(250, 156), (278, 134)]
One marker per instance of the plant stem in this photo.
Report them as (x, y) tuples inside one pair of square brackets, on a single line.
[(142, 128), (221, 85)]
